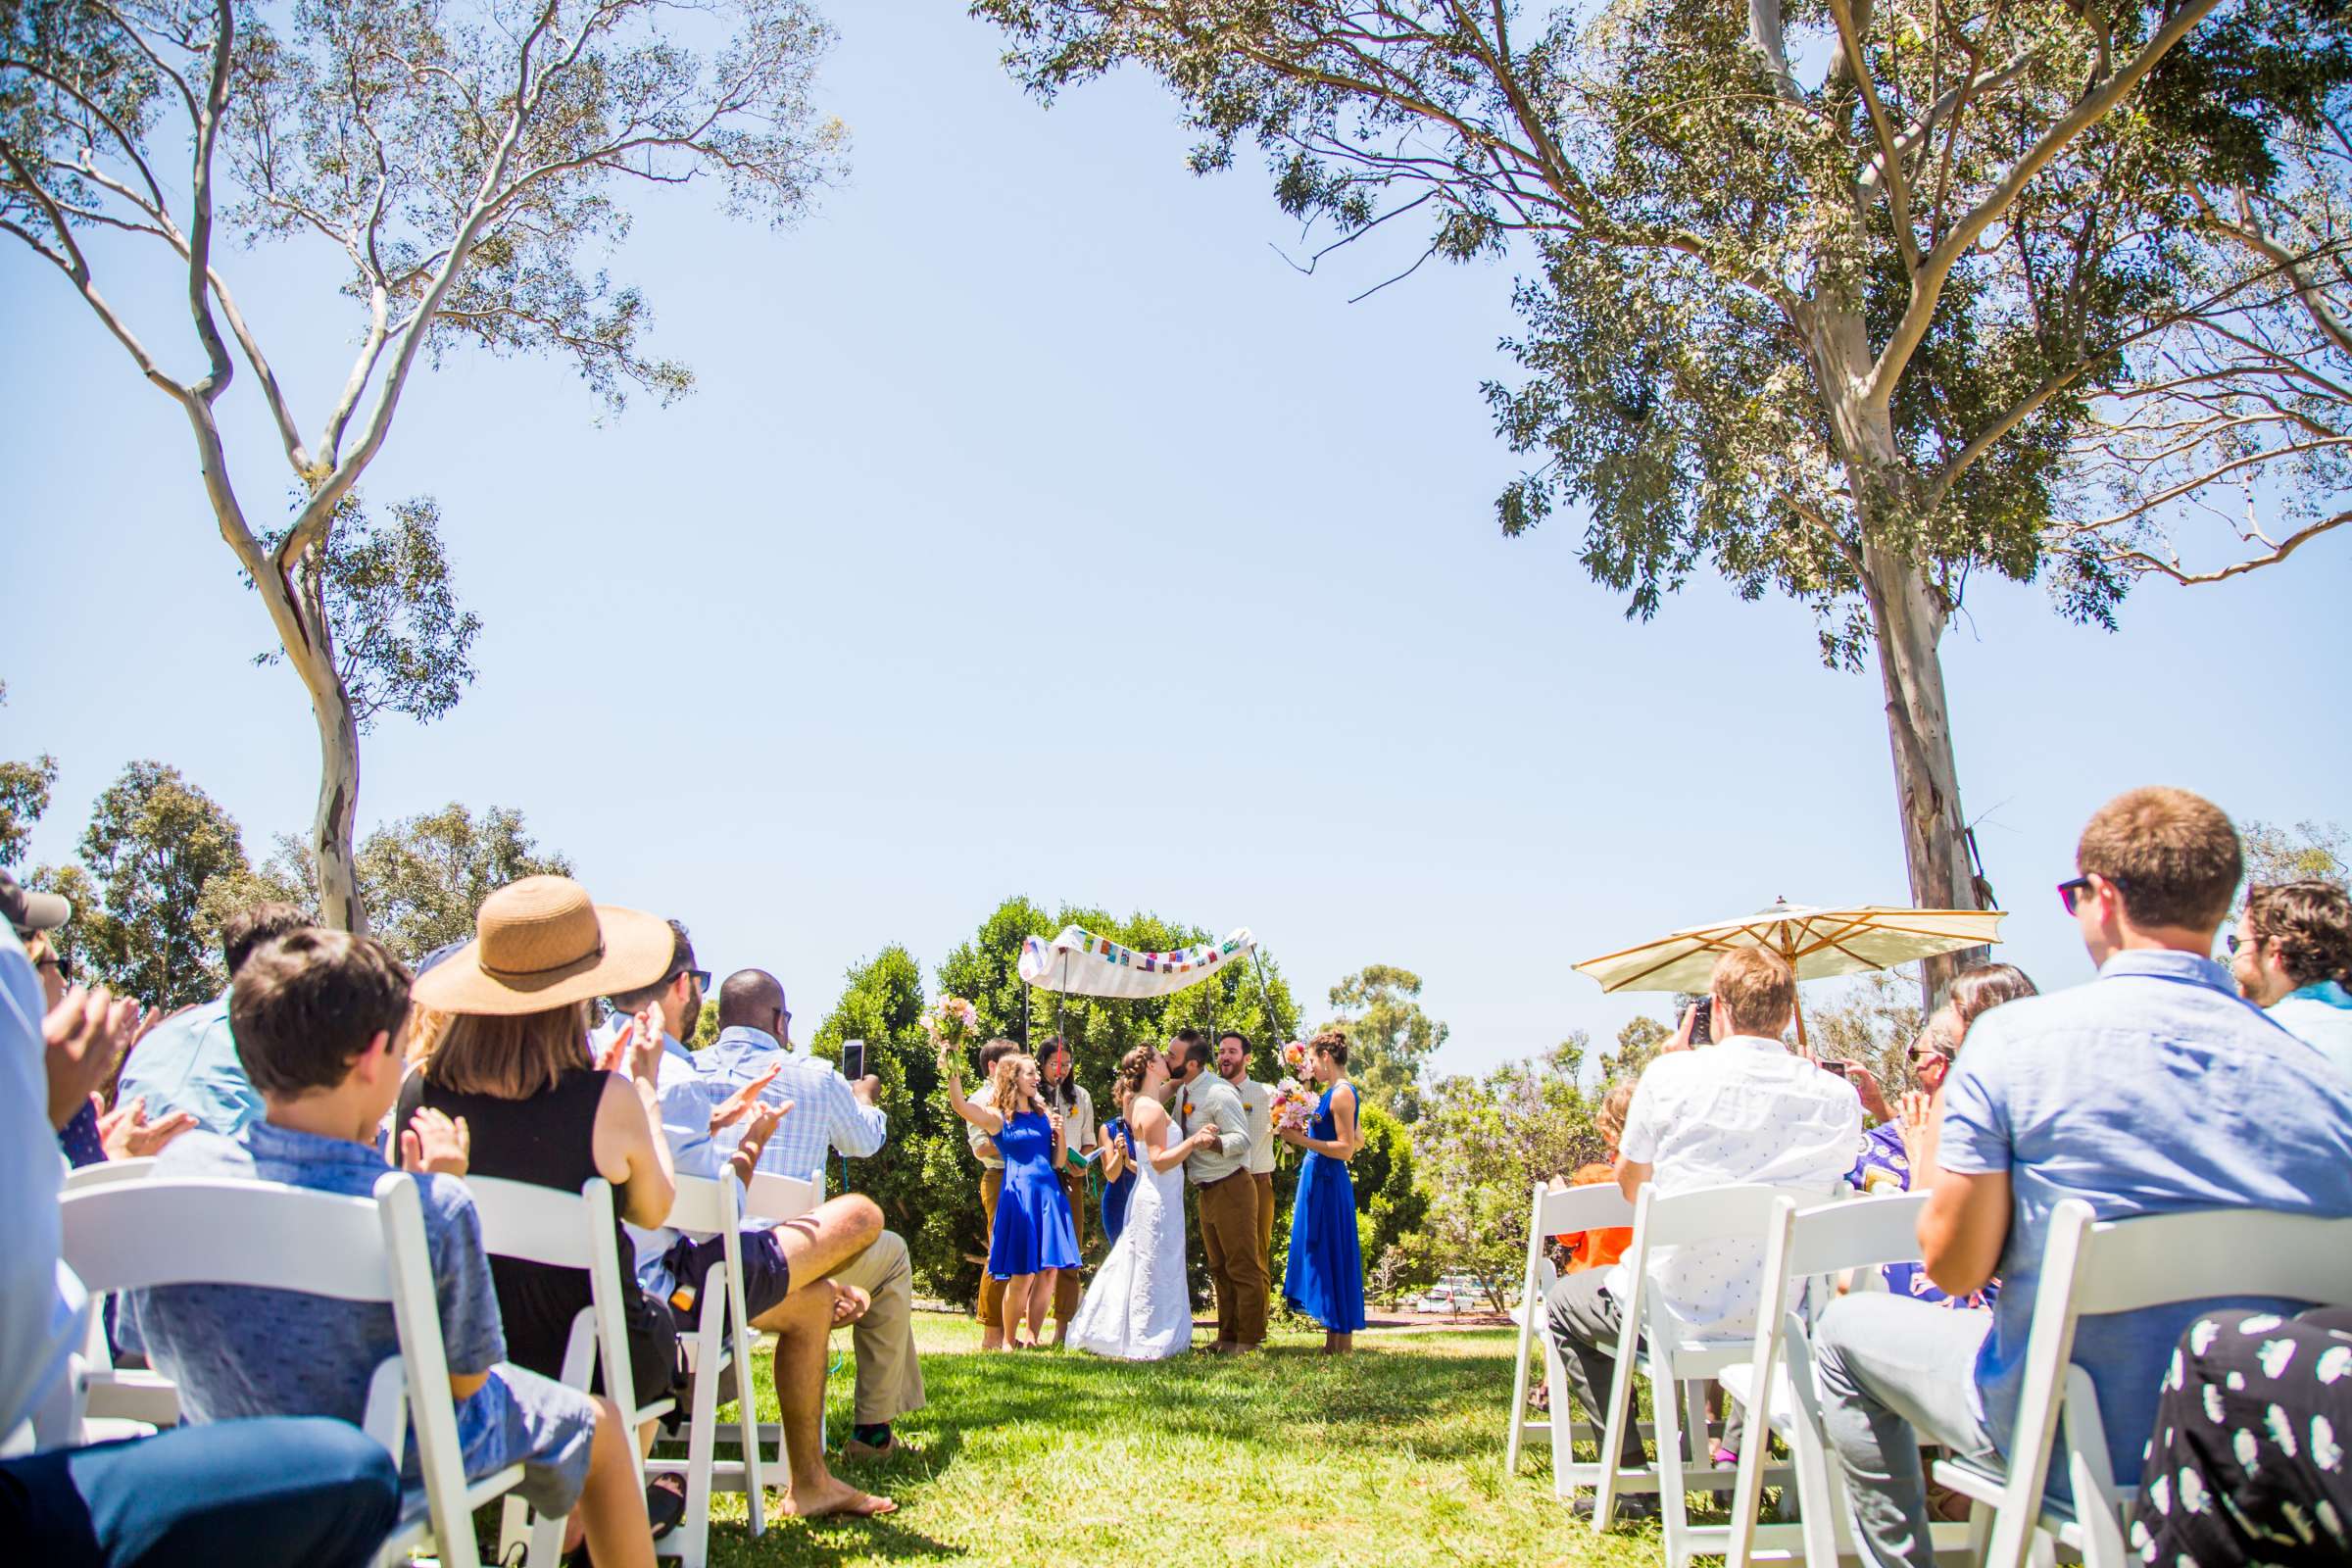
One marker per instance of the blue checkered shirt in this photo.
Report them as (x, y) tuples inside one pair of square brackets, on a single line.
[(824, 1116)]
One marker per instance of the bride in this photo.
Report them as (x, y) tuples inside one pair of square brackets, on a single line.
[(1140, 1307)]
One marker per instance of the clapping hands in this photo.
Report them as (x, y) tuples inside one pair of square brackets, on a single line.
[(433, 1144), (86, 1034), (636, 1049), (739, 1104), (128, 1134)]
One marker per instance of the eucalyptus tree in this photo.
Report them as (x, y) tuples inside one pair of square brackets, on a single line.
[(450, 165), (2232, 446), (1822, 289)]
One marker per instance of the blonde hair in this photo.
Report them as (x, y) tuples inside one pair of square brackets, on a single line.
[(1005, 1080), (425, 1029), (1759, 989), (1608, 1119)]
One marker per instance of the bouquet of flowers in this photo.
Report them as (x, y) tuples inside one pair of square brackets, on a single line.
[(951, 1022), (1294, 1056), (1294, 1107)]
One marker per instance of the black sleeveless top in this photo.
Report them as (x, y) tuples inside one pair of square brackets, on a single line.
[(549, 1140)]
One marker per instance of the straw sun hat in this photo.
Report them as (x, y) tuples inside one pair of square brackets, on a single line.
[(540, 943)]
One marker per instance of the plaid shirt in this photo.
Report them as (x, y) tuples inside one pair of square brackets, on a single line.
[(824, 1116)]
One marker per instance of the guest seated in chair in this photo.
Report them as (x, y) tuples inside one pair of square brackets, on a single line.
[(1742, 1109)]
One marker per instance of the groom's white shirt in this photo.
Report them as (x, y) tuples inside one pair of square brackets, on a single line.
[(1209, 1098), (1258, 1100)]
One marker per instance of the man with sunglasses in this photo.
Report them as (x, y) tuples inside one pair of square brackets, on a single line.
[(2151, 1090)]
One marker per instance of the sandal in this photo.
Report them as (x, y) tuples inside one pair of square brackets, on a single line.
[(666, 1503)]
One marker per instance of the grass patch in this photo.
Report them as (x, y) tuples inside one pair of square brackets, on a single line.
[(1279, 1460)]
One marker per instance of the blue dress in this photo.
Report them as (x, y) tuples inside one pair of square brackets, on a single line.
[(1325, 1277), (1033, 1212), (1116, 1194)]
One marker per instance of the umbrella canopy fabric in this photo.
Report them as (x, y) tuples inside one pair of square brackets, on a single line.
[(1079, 963), (1817, 943)]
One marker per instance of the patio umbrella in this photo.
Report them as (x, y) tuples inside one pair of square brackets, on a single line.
[(1817, 943)]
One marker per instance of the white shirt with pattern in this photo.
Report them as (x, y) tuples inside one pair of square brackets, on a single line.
[(1743, 1109)]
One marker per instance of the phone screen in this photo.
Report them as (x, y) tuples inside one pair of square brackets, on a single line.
[(853, 1060)]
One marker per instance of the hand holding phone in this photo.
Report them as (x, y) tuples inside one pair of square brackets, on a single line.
[(853, 1060)]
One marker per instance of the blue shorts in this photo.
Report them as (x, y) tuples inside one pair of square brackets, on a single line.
[(766, 1276)]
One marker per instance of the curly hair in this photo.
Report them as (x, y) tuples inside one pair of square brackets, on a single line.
[(2310, 923), (1133, 1068), (1332, 1043), (1608, 1118)]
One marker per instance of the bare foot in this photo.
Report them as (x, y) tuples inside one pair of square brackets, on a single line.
[(836, 1498), (848, 1303)]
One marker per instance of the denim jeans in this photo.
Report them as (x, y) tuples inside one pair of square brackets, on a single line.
[(1893, 1373), (282, 1493)]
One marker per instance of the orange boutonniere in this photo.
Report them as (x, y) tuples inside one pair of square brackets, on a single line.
[(1188, 1108)]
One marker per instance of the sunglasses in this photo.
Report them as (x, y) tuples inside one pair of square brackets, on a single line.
[(2073, 890), (64, 966), (2231, 943), (699, 977)]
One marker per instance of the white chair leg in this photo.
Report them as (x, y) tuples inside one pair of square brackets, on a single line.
[(1666, 1397)]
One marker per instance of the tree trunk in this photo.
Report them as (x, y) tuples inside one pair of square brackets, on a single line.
[(310, 650), (1909, 625)]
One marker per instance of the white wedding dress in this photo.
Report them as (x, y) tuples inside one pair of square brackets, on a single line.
[(1139, 1307)]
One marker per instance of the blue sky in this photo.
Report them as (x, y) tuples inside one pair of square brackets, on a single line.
[(1037, 528)]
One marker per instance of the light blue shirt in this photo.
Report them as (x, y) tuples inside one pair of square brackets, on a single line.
[(2319, 1015), (41, 1303), (190, 1064), (2152, 1090), (825, 1114), (686, 1124)]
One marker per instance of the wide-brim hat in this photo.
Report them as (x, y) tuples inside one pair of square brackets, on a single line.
[(539, 943)]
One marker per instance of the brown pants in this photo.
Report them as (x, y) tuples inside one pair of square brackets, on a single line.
[(1265, 1228), (1065, 1284), (1229, 1235), (992, 1290)]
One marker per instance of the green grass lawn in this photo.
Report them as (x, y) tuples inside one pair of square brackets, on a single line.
[(1393, 1455)]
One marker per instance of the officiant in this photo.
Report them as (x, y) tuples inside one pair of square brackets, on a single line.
[(1219, 1172)]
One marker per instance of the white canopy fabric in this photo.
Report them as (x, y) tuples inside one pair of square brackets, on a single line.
[(1080, 964), (1816, 941)]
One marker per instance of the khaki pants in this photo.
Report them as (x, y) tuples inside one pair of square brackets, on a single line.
[(1065, 1284), (1265, 1228), (1229, 1235), (890, 1379), (992, 1290)]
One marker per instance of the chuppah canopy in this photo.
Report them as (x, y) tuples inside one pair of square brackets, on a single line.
[(1080, 964)]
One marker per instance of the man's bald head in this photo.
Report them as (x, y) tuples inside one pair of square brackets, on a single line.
[(750, 999)]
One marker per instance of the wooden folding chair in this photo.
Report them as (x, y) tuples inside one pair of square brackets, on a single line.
[(137, 1235), (1556, 1213), (1653, 1346), (570, 1230), (719, 1343), (2091, 1267)]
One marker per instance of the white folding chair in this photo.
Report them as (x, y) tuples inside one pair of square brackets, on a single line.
[(127, 1236), (2093, 1267), (719, 1343), (570, 1230), (1575, 1208), (1807, 1248), (1653, 1346)]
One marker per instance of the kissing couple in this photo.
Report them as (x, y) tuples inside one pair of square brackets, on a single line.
[(1185, 1123)]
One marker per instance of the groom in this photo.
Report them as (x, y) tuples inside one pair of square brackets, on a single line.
[(1228, 1193)]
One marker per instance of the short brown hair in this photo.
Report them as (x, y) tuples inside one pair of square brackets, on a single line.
[(1758, 989), (304, 1006), (247, 929), (2172, 856), (1333, 1042), (510, 1057), (2310, 923), (1976, 992)]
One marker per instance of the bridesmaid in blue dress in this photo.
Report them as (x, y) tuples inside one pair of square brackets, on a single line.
[(1035, 1238), (1325, 1279), (1118, 1170)]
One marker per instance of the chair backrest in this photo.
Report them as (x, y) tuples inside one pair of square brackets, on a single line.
[(704, 1204), (132, 1235), (1853, 1233), (779, 1198), (106, 1172), (1599, 1205), (1737, 1213)]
